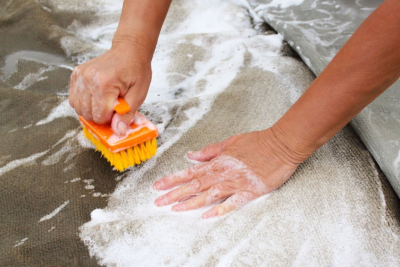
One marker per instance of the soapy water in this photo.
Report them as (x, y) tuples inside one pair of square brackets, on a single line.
[(11, 61), (54, 212), (216, 36), (326, 26), (197, 57), (228, 171)]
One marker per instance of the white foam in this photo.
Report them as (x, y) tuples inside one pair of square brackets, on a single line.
[(66, 148), (11, 61), (62, 110), (54, 212), (16, 163), (89, 184), (67, 136), (217, 68), (158, 236), (33, 78), (84, 142), (285, 3), (396, 165), (53, 159), (77, 6), (232, 37), (20, 242)]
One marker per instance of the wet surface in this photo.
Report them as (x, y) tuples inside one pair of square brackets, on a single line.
[(317, 30), (211, 82)]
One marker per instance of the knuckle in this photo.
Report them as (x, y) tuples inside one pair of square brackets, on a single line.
[(102, 81), (97, 115), (191, 171), (242, 197), (90, 71), (196, 185), (215, 191), (87, 114), (229, 164), (221, 210)]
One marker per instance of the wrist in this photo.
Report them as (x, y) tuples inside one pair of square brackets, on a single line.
[(287, 148), (142, 49)]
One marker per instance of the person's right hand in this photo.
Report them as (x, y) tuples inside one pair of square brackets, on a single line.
[(123, 71)]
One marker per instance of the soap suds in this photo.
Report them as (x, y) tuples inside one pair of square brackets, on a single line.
[(54, 212), (196, 59), (396, 165), (33, 78), (62, 110), (20, 242), (16, 163), (231, 41), (65, 149), (11, 62)]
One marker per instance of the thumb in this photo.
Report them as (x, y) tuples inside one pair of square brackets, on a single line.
[(208, 152), (134, 97)]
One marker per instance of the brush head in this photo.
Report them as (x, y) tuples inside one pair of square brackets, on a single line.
[(138, 145), (140, 131)]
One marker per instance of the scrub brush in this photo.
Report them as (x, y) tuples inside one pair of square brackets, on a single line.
[(137, 146)]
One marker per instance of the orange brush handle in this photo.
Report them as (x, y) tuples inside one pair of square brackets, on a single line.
[(122, 107), (140, 131)]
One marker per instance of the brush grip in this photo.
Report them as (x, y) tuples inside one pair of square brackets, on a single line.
[(122, 107)]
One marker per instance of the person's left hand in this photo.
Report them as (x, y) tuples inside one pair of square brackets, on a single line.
[(234, 172)]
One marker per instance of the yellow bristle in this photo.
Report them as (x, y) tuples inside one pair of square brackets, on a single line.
[(130, 156), (136, 154), (126, 158)]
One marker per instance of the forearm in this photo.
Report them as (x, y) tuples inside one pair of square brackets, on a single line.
[(140, 24), (366, 66)]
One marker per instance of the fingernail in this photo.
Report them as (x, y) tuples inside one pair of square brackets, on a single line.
[(161, 201), (179, 207), (122, 128)]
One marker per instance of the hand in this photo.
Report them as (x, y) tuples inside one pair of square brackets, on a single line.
[(234, 172), (95, 86)]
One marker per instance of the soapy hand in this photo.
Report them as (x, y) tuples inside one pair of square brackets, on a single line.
[(95, 86), (232, 173)]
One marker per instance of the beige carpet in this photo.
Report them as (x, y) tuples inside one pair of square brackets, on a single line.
[(216, 73)]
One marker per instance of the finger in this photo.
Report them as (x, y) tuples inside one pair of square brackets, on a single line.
[(194, 187), (207, 153), (72, 83), (86, 106), (234, 202), (134, 97), (103, 105), (183, 176), (78, 88), (215, 194)]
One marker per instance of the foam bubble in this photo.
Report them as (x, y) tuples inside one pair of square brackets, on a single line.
[(54, 212), (62, 110), (218, 42), (16, 163)]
